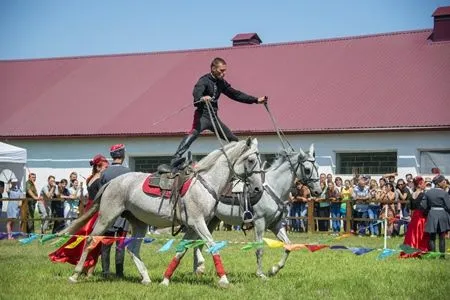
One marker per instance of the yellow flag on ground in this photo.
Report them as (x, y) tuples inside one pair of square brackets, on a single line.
[(76, 242), (293, 247), (345, 235), (273, 243)]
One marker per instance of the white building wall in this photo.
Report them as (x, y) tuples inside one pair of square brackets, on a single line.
[(59, 157)]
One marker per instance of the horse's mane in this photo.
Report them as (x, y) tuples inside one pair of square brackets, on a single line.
[(281, 157), (232, 149)]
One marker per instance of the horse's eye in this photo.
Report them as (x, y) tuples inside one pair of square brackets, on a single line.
[(251, 160), (307, 171)]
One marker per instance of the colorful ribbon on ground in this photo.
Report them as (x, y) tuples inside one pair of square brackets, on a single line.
[(188, 244)]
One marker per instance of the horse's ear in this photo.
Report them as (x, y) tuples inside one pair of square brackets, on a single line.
[(249, 141), (312, 151), (302, 153)]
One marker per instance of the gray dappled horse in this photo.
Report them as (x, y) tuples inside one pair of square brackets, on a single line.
[(211, 175), (269, 209)]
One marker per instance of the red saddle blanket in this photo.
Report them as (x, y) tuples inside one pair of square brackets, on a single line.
[(157, 191)]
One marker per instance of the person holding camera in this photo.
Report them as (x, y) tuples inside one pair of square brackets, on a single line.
[(48, 192), (403, 194), (63, 196)]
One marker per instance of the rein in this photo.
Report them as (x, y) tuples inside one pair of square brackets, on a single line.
[(279, 132), (214, 119)]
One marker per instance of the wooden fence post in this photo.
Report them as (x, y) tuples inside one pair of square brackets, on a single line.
[(311, 224), (80, 208), (24, 215), (348, 217)]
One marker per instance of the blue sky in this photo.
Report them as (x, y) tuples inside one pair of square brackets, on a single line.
[(53, 28)]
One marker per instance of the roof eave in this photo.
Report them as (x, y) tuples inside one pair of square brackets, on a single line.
[(239, 132)]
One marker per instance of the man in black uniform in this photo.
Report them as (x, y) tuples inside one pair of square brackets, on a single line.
[(436, 203), (120, 227), (208, 89)]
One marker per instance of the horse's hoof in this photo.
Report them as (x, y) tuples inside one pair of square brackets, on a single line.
[(200, 270), (223, 282), (146, 281), (262, 276), (73, 279), (165, 282), (273, 271)]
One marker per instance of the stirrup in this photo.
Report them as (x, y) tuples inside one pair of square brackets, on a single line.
[(247, 217)]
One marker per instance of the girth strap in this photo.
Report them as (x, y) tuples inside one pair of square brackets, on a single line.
[(208, 187), (272, 194)]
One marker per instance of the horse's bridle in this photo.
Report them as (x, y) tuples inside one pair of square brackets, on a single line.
[(309, 179), (294, 168), (240, 176), (247, 173)]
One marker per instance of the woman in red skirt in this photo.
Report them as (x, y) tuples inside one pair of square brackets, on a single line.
[(415, 236), (72, 254)]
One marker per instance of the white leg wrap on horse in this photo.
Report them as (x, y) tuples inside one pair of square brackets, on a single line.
[(274, 270), (73, 278), (223, 281), (200, 269), (141, 268), (165, 282)]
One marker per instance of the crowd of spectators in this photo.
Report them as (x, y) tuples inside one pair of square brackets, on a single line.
[(389, 198), (57, 199), (376, 200)]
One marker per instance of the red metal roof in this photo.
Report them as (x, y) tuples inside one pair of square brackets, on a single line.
[(379, 82)]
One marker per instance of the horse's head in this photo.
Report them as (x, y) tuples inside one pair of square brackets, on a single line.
[(308, 170), (247, 166)]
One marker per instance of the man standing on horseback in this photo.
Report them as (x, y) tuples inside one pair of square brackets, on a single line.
[(207, 90), (120, 226)]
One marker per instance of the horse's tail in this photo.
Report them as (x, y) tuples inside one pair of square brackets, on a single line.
[(81, 221)]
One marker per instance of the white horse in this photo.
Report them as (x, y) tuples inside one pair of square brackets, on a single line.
[(269, 209), (124, 195)]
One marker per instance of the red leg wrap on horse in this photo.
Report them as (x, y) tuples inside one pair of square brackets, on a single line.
[(171, 268), (218, 264)]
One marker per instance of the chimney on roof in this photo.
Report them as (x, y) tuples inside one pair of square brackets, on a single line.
[(441, 30), (246, 39)]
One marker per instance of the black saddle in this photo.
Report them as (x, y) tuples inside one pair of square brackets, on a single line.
[(167, 174), (164, 168), (164, 181)]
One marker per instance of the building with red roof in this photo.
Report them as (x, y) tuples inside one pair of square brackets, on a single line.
[(371, 104)]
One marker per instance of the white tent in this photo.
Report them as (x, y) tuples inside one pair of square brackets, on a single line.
[(12, 162), (12, 166)]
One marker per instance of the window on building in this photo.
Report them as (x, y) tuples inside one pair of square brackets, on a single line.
[(435, 161), (149, 164), (366, 162)]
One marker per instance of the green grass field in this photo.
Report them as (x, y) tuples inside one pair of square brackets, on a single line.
[(27, 273)]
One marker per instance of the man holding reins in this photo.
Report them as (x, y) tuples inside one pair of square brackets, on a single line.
[(207, 90)]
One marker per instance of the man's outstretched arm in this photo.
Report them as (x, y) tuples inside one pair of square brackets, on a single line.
[(239, 96)]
